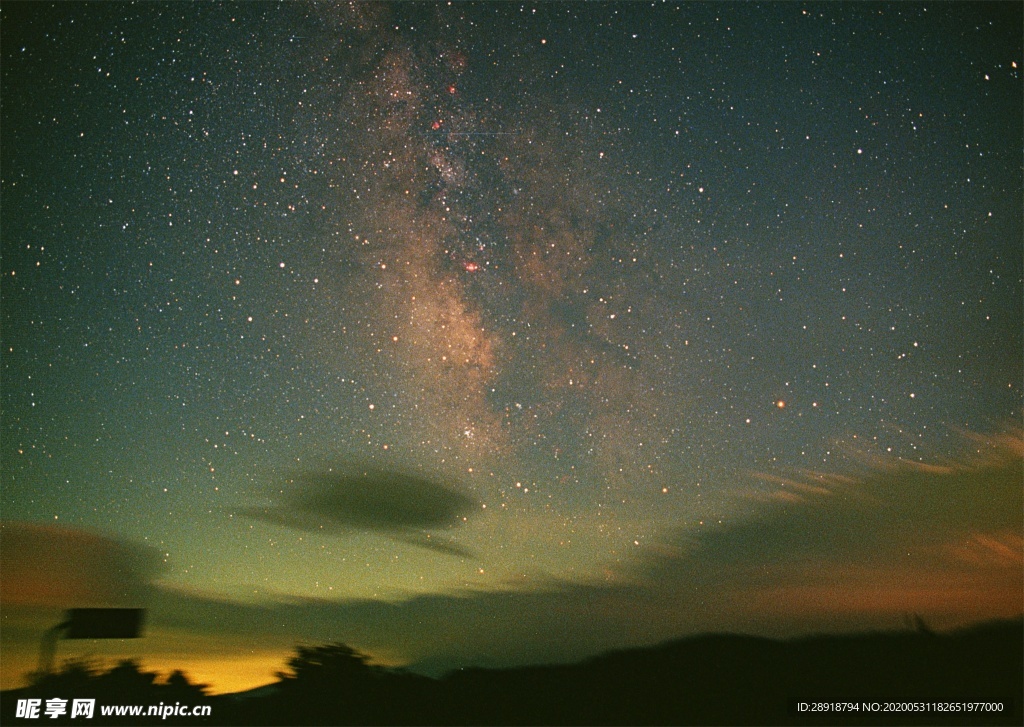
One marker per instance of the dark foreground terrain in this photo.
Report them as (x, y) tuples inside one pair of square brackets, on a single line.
[(704, 680)]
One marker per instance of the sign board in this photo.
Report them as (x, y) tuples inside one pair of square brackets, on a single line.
[(104, 623)]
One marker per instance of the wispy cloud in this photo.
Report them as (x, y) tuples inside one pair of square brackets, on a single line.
[(49, 565), (398, 505)]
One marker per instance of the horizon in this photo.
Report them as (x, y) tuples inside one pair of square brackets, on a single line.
[(716, 678), (912, 625)]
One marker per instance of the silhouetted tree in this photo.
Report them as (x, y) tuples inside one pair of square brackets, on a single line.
[(330, 662), (129, 678), (179, 688), (74, 676), (332, 681), (125, 683), (335, 684), (921, 627)]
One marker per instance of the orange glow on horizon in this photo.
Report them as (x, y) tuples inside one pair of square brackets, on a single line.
[(953, 595)]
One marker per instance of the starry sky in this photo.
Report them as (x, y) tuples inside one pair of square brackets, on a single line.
[(480, 333)]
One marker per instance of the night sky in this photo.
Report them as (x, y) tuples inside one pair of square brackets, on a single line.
[(498, 333)]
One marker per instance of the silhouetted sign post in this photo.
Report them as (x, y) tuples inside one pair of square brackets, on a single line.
[(91, 623), (104, 623)]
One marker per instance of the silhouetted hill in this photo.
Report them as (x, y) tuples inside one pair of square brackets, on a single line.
[(732, 679), (717, 679)]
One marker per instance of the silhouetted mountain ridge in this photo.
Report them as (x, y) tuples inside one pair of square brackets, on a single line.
[(740, 679)]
